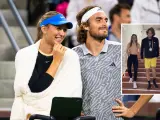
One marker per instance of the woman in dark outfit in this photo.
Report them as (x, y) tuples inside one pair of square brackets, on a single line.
[(133, 49)]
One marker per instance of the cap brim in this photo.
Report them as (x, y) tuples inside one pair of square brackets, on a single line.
[(69, 24)]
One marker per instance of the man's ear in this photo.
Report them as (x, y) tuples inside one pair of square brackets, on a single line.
[(116, 17), (85, 27)]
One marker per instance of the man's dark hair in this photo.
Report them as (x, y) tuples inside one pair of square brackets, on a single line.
[(152, 30), (117, 10)]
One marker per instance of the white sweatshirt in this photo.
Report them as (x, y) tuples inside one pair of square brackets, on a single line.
[(67, 83)]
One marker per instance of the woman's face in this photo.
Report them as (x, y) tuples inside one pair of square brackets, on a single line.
[(54, 34), (134, 38)]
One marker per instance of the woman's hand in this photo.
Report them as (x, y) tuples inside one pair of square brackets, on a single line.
[(58, 52), (128, 51), (122, 111)]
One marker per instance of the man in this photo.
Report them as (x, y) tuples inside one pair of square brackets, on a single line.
[(119, 14), (101, 68), (150, 52), (100, 64), (78, 5)]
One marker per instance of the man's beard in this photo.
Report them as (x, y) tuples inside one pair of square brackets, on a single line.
[(97, 37)]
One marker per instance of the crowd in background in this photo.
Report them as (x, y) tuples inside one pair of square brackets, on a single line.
[(118, 12)]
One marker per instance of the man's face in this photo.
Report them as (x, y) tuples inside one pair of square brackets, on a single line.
[(150, 34), (98, 26), (125, 16)]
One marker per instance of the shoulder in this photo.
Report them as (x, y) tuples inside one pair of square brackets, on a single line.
[(78, 49), (25, 51), (71, 53), (113, 43), (128, 44), (144, 39), (155, 38)]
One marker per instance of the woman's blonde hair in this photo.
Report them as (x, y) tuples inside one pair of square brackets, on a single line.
[(45, 16)]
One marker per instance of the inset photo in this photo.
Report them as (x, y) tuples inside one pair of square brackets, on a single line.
[(140, 58)]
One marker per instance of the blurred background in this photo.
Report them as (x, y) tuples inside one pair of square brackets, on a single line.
[(18, 20)]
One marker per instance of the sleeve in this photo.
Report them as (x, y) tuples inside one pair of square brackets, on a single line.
[(74, 75), (142, 49), (157, 47), (41, 83), (17, 112), (77, 92), (135, 11)]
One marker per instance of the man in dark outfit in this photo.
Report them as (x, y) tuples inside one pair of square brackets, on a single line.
[(150, 52)]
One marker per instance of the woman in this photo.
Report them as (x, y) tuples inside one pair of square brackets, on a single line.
[(44, 71), (133, 49)]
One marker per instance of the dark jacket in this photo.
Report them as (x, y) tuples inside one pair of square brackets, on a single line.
[(145, 53)]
